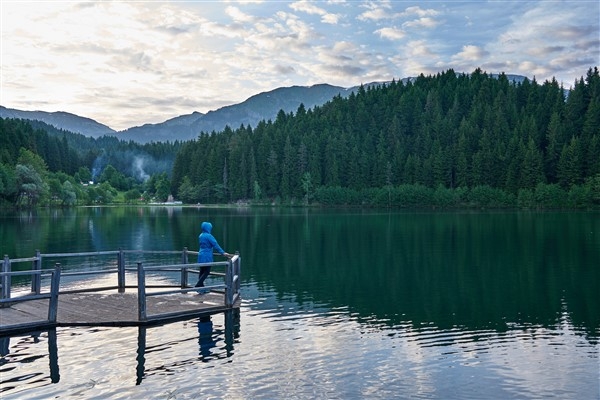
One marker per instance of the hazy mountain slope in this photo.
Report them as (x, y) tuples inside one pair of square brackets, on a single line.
[(263, 106), (61, 120)]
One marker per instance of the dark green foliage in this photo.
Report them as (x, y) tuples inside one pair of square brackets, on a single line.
[(133, 195), (440, 141), (66, 161), (19, 134)]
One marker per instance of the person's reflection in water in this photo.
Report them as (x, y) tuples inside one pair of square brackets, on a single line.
[(4, 348), (205, 337)]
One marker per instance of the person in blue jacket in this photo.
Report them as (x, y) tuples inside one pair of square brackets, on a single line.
[(208, 244)]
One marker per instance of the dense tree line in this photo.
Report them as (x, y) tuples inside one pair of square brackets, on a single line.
[(55, 150), (40, 164), (447, 139)]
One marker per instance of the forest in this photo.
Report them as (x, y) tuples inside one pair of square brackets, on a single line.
[(441, 141), (42, 165), (446, 140)]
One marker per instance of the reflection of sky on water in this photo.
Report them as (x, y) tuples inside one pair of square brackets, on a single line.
[(142, 234), (460, 329), (290, 350), (426, 361)]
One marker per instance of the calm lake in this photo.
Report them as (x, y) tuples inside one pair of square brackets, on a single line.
[(343, 304)]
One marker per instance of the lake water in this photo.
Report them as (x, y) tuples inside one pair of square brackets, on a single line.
[(336, 305)]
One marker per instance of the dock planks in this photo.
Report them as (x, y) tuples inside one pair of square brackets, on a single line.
[(108, 309)]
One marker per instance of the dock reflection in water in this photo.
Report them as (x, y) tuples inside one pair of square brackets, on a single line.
[(214, 342), (307, 350)]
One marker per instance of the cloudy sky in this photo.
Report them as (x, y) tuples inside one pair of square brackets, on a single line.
[(126, 63)]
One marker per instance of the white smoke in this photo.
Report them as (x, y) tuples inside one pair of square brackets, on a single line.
[(138, 169)]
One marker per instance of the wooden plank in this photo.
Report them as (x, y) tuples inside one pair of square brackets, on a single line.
[(91, 309), (24, 315)]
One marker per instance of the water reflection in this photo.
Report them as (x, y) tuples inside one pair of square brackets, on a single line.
[(205, 337), (417, 305), (412, 359), (208, 340), (24, 356), (209, 337), (304, 350), (480, 270), (474, 270)]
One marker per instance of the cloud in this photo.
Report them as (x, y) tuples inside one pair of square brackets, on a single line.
[(538, 40), (424, 22), (129, 63), (418, 11), (374, 14), (310, 8), (391, 33), (284, 69), (237, 15), (470, 53), (420, 48), (384, 10)]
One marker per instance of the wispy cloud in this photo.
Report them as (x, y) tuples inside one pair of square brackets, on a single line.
[(311, 8), (391, 33), (129, 63)]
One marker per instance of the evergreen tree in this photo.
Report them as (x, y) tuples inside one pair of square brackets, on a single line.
[(570, 163), (532, 168), (442, 132)]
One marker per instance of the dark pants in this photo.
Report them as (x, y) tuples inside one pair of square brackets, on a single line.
[(204, 272)]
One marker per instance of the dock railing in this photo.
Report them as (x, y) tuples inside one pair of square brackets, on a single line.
[(230, 286), (52, 294)]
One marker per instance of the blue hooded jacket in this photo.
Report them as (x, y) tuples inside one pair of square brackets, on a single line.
[(207, 244)]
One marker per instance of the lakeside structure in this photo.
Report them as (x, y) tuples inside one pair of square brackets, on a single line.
[(161, 291)]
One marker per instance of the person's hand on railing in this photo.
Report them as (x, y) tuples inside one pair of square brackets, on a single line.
[(228, 255)]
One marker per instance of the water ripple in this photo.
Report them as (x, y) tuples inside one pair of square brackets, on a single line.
[(289, 350)]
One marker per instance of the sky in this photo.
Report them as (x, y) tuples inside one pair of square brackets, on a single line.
[(127, 63)]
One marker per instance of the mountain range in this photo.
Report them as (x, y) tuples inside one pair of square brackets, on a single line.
[(263, 106)]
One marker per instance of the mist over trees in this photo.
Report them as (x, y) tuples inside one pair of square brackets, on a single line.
[(42, 165), (444, 140)]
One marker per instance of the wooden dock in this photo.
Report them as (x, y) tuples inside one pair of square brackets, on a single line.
[(111, 309), (119, 305)]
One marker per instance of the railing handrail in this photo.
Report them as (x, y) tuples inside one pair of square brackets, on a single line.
[(84, 254), (28, 272), (52, 294), (153, 251), (231, 275), (18, 260), (99, 253), (206, 264)]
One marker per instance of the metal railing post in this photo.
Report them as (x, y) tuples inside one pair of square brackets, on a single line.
[(238, 272), (141, 292), (5, 280), (36, 279), (229, 284), (54, 289), (184, 270), (184, 257), (121, 271)]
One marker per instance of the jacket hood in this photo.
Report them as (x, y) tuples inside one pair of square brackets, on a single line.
[(206, 227)]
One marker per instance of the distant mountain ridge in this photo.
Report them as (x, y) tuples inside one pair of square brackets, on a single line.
[(262, 106), (61, 120)]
